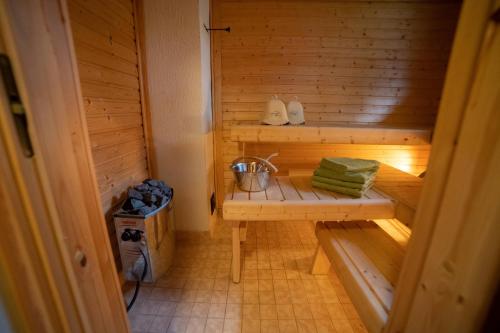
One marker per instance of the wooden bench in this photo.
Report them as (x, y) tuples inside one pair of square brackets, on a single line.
[(293, 198), (367, 256)]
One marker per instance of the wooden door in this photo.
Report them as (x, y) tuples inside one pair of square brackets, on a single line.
[(57, 270), (452, 266)]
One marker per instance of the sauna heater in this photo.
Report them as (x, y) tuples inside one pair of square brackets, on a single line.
[(149, 240)]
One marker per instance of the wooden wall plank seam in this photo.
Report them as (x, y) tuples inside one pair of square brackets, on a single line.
[(356, 62), (108, 55), (143, 83)]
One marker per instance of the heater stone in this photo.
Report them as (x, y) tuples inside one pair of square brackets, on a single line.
[(132, 193), (142, 187), (150, 199), (133, 204)]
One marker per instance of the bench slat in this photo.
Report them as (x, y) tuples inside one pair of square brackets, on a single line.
[(370, 193), (342, 196), (368, 261), (298, 210), (382, 250), (324, 194), (229, 194), (240, 195), (273, 191), (348, 238), (367, 305), (304, 187), (287, 188), (396, 230), (258, 195)]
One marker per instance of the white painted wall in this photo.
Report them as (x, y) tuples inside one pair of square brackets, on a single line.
[(177, 51), (206, 88)]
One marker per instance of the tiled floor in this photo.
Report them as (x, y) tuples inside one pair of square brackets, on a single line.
[(276, 293)]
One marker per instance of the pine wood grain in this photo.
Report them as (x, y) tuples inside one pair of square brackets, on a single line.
[(355, 62), (368, 260), (39, 44), (104, 33)]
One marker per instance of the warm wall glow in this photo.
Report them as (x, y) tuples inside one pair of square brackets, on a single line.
[(294, 156), (403, 161)]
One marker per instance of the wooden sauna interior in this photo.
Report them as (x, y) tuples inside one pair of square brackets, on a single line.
[(155, 94), (375, 65), (379, 64)]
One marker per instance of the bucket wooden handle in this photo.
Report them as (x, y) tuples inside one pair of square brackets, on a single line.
[(265, 161), (269, 164)]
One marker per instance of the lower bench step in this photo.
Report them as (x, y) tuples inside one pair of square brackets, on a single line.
[(367, 261)]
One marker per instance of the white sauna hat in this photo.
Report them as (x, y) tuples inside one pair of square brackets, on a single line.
[(295, 112), (275, 113)]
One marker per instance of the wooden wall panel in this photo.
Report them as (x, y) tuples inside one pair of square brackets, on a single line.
[(104, 35), (349, 62)]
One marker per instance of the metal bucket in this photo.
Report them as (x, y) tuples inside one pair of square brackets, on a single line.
[(252, 173)]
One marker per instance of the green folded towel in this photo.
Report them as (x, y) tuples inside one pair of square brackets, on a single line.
[(343, 164), (344, 190), (341, 183), (360, 177)]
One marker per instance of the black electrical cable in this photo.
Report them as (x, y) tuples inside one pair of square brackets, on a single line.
[(138, 284)]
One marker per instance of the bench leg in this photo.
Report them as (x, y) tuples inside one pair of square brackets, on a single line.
[(243, 231), (321, 263), (236, 265)]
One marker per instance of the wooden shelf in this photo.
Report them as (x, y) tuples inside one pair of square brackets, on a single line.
[(331, 134)]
